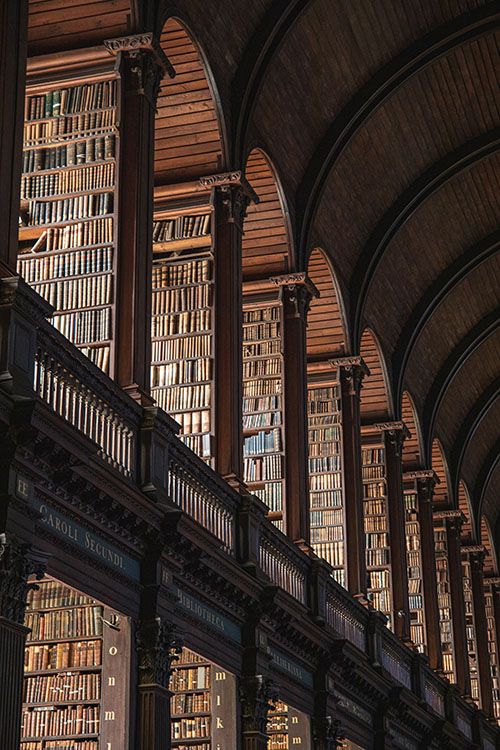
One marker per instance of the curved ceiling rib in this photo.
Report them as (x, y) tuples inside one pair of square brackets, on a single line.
[(430, 301), (489, 465), (451, 366), (410, 200), (470, 425), (258, 54), (381, 87)]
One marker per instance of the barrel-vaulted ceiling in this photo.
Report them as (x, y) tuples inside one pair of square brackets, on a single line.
[(381, 120)]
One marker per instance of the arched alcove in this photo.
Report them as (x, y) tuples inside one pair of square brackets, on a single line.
[(442, 491), (188, 126), (375, 401), (266, 238), (412, 446), (326, 329), (490, 561), (464, 504)]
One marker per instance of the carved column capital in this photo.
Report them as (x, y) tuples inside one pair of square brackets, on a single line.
[(17, 563), (351, 370), (396, 433), (257, 696), (158, 647), (453, 519), (296, 292), (327, 732), (145, 63), (477, 555)]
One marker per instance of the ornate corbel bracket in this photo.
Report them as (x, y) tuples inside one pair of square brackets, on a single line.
[(236, 193), (158, 647), (145, 62), (296, 292), (17, 563), (352, 370), (257, 696)]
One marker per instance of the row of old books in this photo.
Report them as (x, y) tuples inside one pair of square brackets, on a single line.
[(78, 720), (99, 355), (272, 496), (190, 347), (180, 299), (80, 207), (64, 623), (96, 148), (262, 405), (70, 126), (98, 231), (68, 654), (373, 472), (85, 327), (182, 372), (325, 448), (64, 687), (326, 518), (190, 728), (375, 523), (262, 442), (51, 594), (81, 98), (180, 398), (68, 181), (261, 367), (181, 227), (199, 444), (258, 419), (330, 533), (56, 745), (257, 387), (325, 482), (190, 678), (172, 274), (173, 324), (260, 331), (444, 602), (193, 422), (492, 626), (261, 315), (373, 489), (324, 464), (78, 263), (260, 348), (262, 468), (326, 498), (77, 293)]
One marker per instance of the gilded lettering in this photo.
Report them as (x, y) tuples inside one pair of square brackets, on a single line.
[(113, 650), (109, 716), (111, 681), (219, 723)]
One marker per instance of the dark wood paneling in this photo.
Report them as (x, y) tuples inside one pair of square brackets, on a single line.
[(412, 449), (326, 334), (442, 490), (464, 504), (374, 393), (490, 561)]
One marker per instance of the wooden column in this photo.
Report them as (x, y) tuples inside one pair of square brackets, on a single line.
[(424, 482), (141, 64), (351, 371), (13, 46), (476, 559), (495, 591), (231, 195), (394, 435), (16, 566), (453, 520), (296, 292)]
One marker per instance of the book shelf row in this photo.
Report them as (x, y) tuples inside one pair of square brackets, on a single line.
[(93, 149), (52, 184), (70, 100), (444, 600)]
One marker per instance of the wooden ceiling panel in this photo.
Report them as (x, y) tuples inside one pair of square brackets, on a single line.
[(266, 248), (468, 531), (57, 25), (490, 561), (478, 454), (326, 334), (465, 307), (375, 405), (188, 140)]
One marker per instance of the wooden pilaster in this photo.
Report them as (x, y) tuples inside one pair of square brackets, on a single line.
[(296, 292), (141, 64), (394, 435), (424, 483), (232, 194), (13, 46), (453, 521), (351, 371), (476, 558)]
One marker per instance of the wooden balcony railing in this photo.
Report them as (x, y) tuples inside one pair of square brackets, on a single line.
[(344, 616), (202, 494), (282, 562), (396, 660), (79, 392)]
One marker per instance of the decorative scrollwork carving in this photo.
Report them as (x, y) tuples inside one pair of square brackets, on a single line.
[(257, 695), (327, 732), (17, 563), (158, 647)]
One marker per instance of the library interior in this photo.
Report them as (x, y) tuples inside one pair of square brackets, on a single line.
[(249, 375)]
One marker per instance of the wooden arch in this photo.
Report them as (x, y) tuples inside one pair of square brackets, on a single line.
[(189, 129), (375, 402), (326, 329), (465, 506), (442, 491), (412, 446), (267, 249), (490, 560)]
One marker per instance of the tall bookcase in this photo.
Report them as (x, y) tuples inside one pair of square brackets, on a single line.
[(76, 671), (182, 323), (376, 522), (414, 567), (327, 513), (287, 728), (203, 704), (67, 234), (492, 626), (470, 626), (444, 598), (263, 407)]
